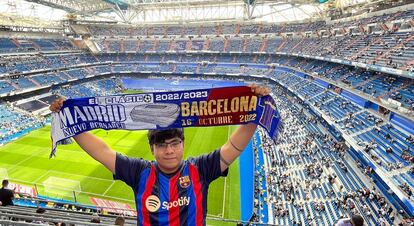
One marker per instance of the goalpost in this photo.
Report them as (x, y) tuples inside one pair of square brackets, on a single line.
[(61, 187)]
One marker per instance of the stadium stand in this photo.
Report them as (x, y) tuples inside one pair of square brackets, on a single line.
[(310, 171), (30, 45), (15, 124), (351, 78)]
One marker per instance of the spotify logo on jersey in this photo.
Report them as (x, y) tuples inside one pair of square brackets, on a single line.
[(152, 203)]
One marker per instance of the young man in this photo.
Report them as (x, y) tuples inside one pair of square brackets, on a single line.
[(169, 190), (6, 195)]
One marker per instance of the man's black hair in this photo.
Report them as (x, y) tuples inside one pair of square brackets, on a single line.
[(159, 136), (357, 220), (40, 210), (4, 183)]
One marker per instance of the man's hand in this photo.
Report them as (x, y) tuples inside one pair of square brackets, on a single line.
[(259, 90), (57, 105)]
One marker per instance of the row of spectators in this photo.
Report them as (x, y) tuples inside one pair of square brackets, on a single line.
[(31, 45), (389, 50)]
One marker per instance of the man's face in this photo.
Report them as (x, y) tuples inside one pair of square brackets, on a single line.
[(169, 154)]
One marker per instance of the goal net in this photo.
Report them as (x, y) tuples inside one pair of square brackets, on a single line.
[(61, 187)]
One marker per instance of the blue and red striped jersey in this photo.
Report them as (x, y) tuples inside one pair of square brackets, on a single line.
[(178, 199)]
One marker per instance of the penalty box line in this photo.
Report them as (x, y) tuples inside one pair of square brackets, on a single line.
[(78, 175)]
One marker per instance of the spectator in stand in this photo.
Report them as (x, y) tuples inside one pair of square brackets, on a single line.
[(95, 218), (6, 195), (389, 149), (120, 220), (355, 220)]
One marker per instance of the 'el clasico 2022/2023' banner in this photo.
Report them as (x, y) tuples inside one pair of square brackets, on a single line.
[(162, 110)]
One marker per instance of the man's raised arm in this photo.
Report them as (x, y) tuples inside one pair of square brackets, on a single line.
[(238, 141), (91, 144)]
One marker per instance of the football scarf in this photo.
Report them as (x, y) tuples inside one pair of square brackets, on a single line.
[(165, 110)]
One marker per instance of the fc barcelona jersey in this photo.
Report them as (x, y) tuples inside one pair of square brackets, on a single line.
[(178, 199)]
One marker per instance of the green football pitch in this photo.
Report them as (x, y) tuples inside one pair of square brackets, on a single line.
[(73, 173)]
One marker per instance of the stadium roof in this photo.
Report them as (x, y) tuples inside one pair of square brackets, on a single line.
[(174, 11)]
